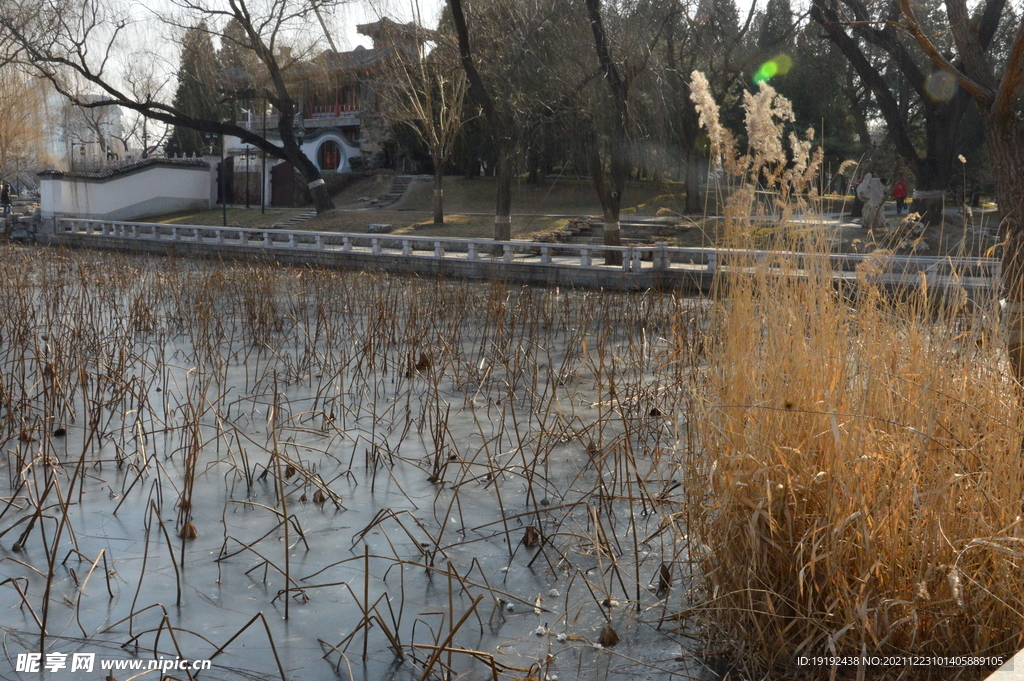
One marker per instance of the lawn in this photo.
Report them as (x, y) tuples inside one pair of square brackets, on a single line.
[(550, 206)]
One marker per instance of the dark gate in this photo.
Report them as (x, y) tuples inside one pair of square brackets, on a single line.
[(226, 181), (282, 185)]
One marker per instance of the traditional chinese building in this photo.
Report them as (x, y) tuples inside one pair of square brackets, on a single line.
[(339, 125)]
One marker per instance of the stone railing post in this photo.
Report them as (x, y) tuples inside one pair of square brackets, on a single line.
[(660, 259)]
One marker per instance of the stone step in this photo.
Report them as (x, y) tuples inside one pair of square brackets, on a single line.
[(399, 185)]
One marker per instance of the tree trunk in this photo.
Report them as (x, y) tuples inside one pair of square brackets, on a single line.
[(503, 192), (438, 193), (322, 200), (933, 185), (695, 168), (310, 173), (1006, 144), (613, 206), (930, 209), (609, 205)]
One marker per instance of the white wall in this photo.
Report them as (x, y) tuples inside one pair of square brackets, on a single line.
[(151, 190), (309, 148)]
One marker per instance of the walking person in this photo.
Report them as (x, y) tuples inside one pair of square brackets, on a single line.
[(899, 192), (5, 198)]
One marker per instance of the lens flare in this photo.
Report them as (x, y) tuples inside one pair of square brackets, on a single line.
[(776, 66), (940, 86)]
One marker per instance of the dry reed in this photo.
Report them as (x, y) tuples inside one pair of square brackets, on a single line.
[(858, 487)]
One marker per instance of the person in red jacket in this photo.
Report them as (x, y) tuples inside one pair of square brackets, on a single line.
[(899, 192)]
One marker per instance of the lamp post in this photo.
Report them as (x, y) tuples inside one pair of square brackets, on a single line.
[(248, 153), (223, 183), (263, 165), (300, 136)]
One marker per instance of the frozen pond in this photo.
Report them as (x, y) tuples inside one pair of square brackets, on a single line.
[(384, 478)]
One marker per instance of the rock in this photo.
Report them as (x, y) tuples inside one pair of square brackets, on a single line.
[(378, 228), (872, 193)]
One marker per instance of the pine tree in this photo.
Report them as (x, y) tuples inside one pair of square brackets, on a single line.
[(197, 91), (776, 34)]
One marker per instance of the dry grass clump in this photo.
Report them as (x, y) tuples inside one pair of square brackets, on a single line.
[(861, 488)]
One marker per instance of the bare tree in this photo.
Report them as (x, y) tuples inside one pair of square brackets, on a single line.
[(21, 127), (75, 40), (996, 89), (500, 117), (850, 25), (427, 95), (90, 129), (610, 191), (648, 22)]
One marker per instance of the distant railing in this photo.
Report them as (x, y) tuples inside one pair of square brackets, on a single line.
[(256, 123), (331, 110), (903, 270)]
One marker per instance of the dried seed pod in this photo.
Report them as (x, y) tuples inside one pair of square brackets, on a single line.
[(532, 537), (608, 636), (664, 579), (303, 499), (319, 497), (189, 531), (289, 471)]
